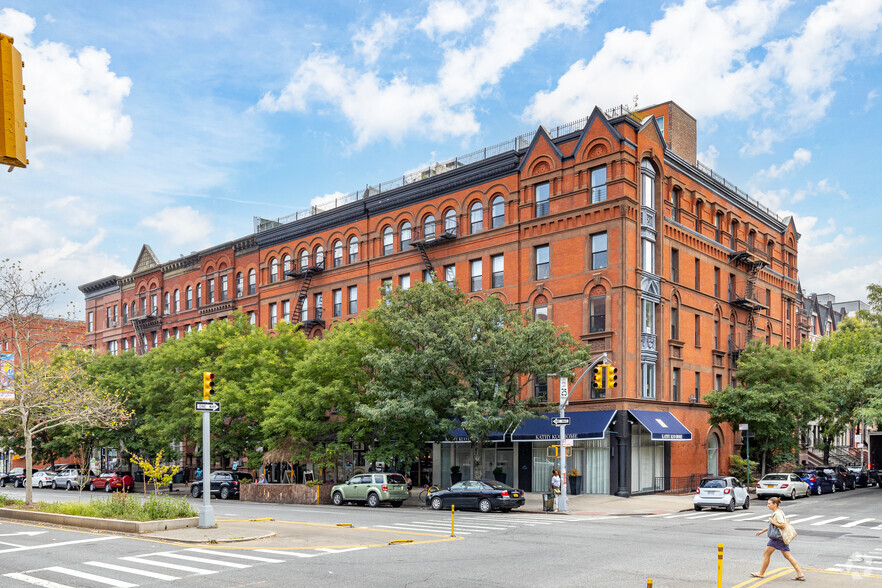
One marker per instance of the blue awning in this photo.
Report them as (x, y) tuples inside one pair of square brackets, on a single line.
[(662, 426), (458, 435), (588, 424)]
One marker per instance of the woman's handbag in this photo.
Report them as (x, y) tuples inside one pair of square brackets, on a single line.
[(774, 532), (788, 533)]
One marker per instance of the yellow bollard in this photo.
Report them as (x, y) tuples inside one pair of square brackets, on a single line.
[(451, 521), (649, 583), (720, 565)]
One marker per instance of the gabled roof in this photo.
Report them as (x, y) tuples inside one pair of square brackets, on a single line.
[(541, 134), (651, 120), (597, 114), (146, 259)]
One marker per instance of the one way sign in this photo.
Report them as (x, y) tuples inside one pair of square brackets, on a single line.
[(203, 406), (558, 421)]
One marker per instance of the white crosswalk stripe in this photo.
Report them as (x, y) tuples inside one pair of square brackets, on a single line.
[(468, 524), (402, 527), (91, 577), (236, 555), (828, 521), (129, 570), (858, 522), (35, 581), (288, 553), (200, 560), (142, 559)]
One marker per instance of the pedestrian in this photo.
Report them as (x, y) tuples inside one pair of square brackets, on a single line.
[(555, 482), (262, 479), (777, 521), (198, 473), (409, 483)]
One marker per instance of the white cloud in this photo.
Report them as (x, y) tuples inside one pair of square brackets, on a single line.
[(759, 141), (73, 210), (872, 95), (709, 156), (801, 157), (180, 225), (380, 36), (448, 16), (74, 101), (327, 201), (378, 108)]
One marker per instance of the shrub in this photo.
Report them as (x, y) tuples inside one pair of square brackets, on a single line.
[(126, 507), (738, 468)]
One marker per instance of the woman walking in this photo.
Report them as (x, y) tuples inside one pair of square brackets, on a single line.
[(777, 521)]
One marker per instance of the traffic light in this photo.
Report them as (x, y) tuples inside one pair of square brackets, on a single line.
[(597, 382), (207, 384), (12, 137), (611, 377)]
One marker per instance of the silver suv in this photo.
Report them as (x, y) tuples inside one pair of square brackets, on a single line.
[(372, 489), (68, 478)]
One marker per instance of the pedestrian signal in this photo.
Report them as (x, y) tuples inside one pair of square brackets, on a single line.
[(207, 384), (611, 377)]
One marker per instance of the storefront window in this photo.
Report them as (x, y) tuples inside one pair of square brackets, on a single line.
[(647, 460)]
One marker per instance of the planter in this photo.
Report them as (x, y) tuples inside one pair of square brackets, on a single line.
[(115, 525), (286, 493), (500, 477), (575, 483), (455, 477)]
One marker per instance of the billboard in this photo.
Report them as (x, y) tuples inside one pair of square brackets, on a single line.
[(7, 376)]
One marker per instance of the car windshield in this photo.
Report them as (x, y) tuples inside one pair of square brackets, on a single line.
[(712, 483), (395, 479), (776, 477), (855, 469), (804, 474)]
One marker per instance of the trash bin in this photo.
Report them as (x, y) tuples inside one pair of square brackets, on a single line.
[(548, 502)]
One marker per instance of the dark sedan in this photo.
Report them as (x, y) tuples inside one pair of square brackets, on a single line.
[(223, 484), (16, 477), (862, 476), (484, 495), (818, 481), (842, 477)]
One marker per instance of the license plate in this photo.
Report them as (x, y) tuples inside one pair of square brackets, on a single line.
[(712, 492), (770, 485), (515, 495)]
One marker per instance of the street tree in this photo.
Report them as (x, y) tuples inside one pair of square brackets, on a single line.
[(457, 363), (776, 396)]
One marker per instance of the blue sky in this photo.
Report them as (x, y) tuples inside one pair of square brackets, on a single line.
[(174, 124)]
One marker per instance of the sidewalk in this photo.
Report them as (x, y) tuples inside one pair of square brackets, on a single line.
[(602, 504)]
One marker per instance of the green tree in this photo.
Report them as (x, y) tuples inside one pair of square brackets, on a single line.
[(777, 395), (454, 363)]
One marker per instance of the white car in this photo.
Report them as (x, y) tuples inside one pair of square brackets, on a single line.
[(69, 480), (721, 492), (787, 485), (43, 478)]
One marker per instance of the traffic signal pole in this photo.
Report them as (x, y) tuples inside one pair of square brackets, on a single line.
[(206, 515), (563, 501)]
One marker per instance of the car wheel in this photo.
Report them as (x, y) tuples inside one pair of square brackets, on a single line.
[(731, 506), (808, 491), (69, 487), (833, 489), (396, 503), (195, 491), (91, 487), (107, 488), (2, 483), (54, 487), (437, 503), (337, 499), (793, 494), (746, 504), (697, 507), (40, 484), (485, 505), (373, 500), (224, 493), (18, 484)]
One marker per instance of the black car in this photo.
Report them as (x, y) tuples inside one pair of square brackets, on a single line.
[(224, 484), (484, 495), (16, 477), (862, 476), (842, 477)]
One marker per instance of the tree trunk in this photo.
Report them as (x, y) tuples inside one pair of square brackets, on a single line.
[(476, 460), (763, 466), (29, 458)]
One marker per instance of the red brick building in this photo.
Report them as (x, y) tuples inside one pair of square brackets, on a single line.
[(608, 226)]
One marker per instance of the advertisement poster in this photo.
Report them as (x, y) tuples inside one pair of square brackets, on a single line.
[(7, 375)]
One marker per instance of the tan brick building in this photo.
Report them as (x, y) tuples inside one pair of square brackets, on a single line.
[(608, 226)]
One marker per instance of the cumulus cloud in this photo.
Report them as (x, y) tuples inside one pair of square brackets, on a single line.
[(390, 108), (180, 225), (371, 42), (73, 210), (709, 156), (74, 100), (448, 16), (801, 157)]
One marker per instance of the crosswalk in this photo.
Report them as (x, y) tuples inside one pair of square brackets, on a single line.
[(166, 566), (868, 562), (472, 524), (798, 519)]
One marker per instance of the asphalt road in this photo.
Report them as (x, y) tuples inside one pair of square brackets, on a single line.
[(839, 543)]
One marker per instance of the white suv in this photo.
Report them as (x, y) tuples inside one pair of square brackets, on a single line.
[(69, 479), (721, 491)]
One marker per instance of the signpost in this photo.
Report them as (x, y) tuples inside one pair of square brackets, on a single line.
[(206, 407), (562, 422), (743, 427), (203, 406), (558, 421)]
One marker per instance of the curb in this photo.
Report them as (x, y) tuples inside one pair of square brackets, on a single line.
[(98, 524), (213, 541)]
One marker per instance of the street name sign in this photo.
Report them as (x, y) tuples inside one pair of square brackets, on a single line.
[(558, 421), (203, 406)]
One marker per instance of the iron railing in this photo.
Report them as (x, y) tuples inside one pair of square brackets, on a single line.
[(678, 484)]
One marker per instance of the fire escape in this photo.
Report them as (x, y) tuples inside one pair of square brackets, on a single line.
[(743, 293), (306, 273), (147, 321), (431, 239)]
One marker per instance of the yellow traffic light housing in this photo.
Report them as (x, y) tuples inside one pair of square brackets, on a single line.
[(12, 137), (207, 385), (597, 380), (611, 377)]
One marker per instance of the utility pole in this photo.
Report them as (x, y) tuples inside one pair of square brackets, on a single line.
[(206, 515)]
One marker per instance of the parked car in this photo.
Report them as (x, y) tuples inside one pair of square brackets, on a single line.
[(371, 489), (818, 481), (43, 478), (720, 492), (862, 476), (782, 484), (110, 481), (69, 478), (224, 484), (842, 477), (484, 495), (16, 477)]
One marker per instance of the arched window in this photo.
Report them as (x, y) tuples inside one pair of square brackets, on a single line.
[(476, 218), (319, 256), (353, 249), (125, 312), (647, 184), (405, 237), (177, 301), (429, 227), (274, 270), (286, 264), (733, 235), (387, 240), (697, 214), (188, 298), (770, 248), (338, 253), (450, 222), (304, 259), (497, 212), (240, 285), (713, 454), (134, 313), (252, 281)]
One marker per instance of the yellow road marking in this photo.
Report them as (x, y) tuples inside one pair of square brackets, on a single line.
[(760, 581), (841, 573)]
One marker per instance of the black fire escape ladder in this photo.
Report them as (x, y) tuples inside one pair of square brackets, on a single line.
[(306, 273), (421, 247), (752, 260), (138, 324)]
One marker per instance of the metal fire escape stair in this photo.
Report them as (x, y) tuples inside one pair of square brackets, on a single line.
[(422, 245), (306, 273), (752, 260)]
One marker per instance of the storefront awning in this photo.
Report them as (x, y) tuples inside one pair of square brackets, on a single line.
[(589, 424), (459, 435), (662, 426)]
